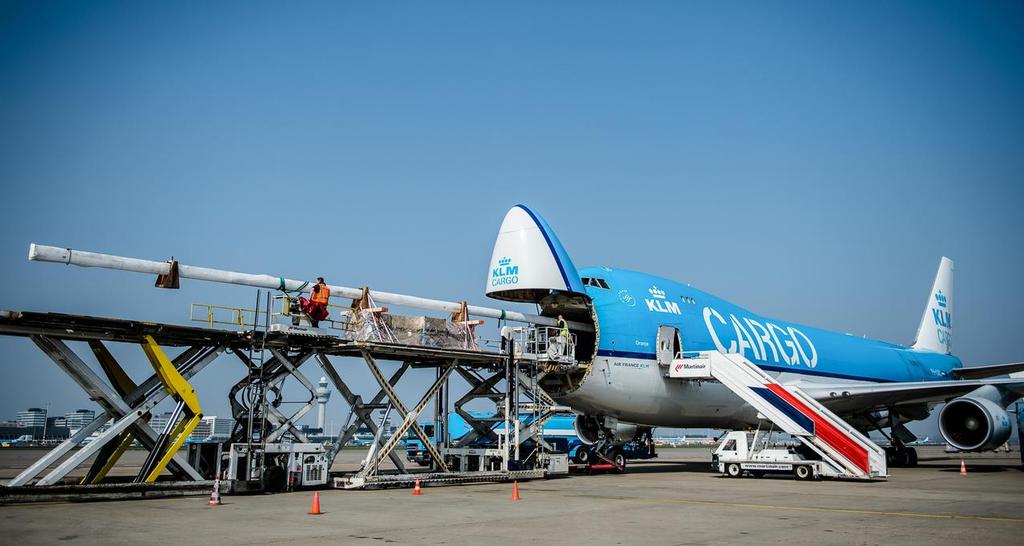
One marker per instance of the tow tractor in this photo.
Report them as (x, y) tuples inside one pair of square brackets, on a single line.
[(742, 453)]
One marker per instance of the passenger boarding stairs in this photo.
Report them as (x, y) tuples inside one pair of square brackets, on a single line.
[(839, 444)]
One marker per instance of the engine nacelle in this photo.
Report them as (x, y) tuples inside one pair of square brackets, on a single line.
[(974, 423), (590, 429)]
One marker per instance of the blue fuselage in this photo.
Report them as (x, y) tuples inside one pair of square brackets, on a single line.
[(630, 311), (626, 380)]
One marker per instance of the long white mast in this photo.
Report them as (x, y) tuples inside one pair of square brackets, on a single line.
[(43, 253)]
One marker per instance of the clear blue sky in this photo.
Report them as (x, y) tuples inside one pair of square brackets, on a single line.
[(810, 161)]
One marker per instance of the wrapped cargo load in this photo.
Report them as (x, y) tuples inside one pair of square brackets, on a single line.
[(412, 330)]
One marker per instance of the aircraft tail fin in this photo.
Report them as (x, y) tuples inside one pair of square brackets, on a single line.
[(935, 333)]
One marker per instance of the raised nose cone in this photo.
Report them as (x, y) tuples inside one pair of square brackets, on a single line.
[(529, 261)]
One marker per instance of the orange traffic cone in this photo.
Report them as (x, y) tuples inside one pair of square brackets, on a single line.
[(315, 509), (515, 490), (963, 468), (416, 490), (215, 493)]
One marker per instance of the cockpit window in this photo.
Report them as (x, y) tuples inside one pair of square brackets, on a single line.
[(594, 281)]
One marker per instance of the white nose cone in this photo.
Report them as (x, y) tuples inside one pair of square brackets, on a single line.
[(529, 261)]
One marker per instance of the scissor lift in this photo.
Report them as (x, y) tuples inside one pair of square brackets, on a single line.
[(126, 406), (261, 420)]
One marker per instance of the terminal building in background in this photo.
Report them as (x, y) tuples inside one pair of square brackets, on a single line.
[(32, 417), (33, 427), (77, 419), (210, 429)]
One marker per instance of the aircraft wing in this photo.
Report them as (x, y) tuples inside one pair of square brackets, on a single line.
[(846, 399), (978, 372)]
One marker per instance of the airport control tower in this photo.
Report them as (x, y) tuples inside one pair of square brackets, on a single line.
[(322, 394)]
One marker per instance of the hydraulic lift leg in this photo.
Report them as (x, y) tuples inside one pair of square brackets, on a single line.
[(361, 412), (188, 403), (111, 452)]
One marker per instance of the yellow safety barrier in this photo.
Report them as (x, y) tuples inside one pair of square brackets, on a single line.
[(208, 313), (241, 317)]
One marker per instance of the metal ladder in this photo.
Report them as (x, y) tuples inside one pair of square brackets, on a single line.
[(838, 443), (256, 390)]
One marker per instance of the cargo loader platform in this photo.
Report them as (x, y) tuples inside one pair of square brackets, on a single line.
[(269, 357)]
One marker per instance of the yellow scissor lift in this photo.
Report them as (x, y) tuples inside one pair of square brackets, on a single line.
[(174, 434)]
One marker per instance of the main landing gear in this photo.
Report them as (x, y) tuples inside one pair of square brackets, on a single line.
[(900, 456), (897, 454), (602, 456)]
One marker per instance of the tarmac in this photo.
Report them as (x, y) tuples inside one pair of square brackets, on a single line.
[(675, 499)]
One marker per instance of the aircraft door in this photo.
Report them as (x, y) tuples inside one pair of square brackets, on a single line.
[(670, 345)]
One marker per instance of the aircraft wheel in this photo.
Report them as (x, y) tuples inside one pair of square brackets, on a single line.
[(582, 456), (890, 457), (803, 472), (733, 470), (620, 460), (911, 457), (902, 458)]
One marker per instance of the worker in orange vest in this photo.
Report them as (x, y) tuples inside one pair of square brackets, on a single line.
[(319, 297)]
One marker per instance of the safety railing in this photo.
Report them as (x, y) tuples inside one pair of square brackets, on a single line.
[(347, 323), (214, 315), (338, 317), (221, 314), (545, 344)]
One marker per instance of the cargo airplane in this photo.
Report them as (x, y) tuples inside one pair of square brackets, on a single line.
[(641, 322)]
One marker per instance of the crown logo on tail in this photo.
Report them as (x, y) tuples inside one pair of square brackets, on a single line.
[(940, 298)]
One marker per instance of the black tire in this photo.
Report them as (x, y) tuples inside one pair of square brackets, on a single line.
[(912, 453), (275, 479), (890, 457), (803, 472), (582, 456), (733, 470), (902, 458), (620, 461)]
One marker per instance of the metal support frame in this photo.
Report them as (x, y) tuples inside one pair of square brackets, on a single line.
[(171, 440), (533, 429), (371, 456), (359, 412), (111, 453), (126, 411), (275, 371), (486, 388), (479, 388), (288, 424), (409, 418)]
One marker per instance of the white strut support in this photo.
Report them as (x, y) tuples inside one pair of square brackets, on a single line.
[(43, 253)]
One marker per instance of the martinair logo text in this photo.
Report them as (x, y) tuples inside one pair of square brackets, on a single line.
[(659, 304), (505, 274)]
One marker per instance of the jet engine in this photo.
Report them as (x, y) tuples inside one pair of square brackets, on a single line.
[(589, 429), (974, 422)]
